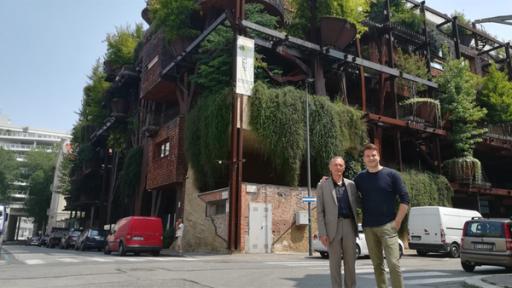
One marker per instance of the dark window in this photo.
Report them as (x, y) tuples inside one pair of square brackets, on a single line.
[(489, 229)]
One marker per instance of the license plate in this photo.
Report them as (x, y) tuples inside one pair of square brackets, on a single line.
[(138, 238), (483, 246), (416, 238)]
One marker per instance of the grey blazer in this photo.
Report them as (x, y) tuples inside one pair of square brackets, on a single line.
[(327, 206)]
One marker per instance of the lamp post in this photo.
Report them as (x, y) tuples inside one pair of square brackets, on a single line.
[(310, 244)]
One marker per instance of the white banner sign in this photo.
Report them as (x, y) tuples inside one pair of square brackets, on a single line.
[(244, 65)]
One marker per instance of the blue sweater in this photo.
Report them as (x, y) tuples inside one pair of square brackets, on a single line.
[(379, 192)]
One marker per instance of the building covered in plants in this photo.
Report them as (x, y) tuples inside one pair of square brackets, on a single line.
[(162, 132)]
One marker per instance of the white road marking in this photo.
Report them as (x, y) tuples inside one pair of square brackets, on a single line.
[(33, 261), (98, 259), (68, 260), (430, 281)]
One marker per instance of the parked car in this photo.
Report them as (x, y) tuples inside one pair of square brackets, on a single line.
[(486, 242), (34, 241), (435, 229), (43, 240), (55, 237), (136, 234), (92, 238), (70, 239), (361, 247)]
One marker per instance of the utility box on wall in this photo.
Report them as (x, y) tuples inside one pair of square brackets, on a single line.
[(301, 218)]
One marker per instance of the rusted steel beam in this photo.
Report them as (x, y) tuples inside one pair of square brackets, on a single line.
[(336, 54), (402, 123), (481, 190)]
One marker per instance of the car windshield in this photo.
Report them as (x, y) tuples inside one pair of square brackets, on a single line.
[(490, 229), (97, 233)]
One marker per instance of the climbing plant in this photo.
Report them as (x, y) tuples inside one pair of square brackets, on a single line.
[(427, 189)]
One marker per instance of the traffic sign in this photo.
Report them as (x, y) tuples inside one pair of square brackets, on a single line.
[(308, 199)]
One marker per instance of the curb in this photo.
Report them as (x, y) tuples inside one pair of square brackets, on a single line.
[(476, 281)]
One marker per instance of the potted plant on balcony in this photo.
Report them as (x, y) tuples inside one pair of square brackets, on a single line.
[(120, 49), (465, 36), (400, 15), (411, 64), (175, 18), (458, 88)]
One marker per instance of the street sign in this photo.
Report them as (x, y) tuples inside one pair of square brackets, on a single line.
[(244, 65), (308, 199)]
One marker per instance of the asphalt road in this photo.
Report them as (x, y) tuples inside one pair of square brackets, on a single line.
[(25, 266)]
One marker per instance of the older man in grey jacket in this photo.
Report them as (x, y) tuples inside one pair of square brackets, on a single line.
[(338, 200)]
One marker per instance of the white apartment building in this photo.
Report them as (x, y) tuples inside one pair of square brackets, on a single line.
[(20, 140)]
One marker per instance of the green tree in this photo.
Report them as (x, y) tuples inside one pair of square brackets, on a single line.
[(458, 88), (354, 11), (8, 166), (496, 96), (174, 16), (40, 165), (121, 45)]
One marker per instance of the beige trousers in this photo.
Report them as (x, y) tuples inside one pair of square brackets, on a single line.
[(385, 238), (343, 246)]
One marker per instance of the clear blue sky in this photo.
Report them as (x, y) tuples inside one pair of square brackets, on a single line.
[(49, 46), (47, 49)]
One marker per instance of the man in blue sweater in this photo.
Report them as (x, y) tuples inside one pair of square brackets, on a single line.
[(380, 187)]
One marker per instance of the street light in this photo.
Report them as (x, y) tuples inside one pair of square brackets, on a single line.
[(310, 244)]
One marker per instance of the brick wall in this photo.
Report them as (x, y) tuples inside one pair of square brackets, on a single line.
[(171, 168), (285, 201)]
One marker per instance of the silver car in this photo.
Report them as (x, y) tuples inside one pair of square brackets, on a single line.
[(486, 242)]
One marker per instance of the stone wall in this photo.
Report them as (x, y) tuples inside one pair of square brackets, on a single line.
[(200, 232)]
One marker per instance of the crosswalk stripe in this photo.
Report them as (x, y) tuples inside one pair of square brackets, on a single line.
[(424, 274), (34, 261), (431, 280), (68, 260), (97, 259)]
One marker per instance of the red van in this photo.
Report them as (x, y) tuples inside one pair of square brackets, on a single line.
[(136, 234)]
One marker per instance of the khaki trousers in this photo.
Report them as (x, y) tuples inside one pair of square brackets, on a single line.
[(179, 244), (343, 246), (385, 238)]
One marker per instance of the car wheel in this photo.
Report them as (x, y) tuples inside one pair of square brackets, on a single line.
[(156, 253), (122, 249), (106, 251), (358, 251), (454, 250), (324, 255), (468, 267), (421, 253)]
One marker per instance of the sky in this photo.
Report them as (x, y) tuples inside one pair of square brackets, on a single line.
[(48, 48)]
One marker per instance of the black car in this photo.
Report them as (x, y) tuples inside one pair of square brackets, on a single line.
[(70, 239), (92, 238)]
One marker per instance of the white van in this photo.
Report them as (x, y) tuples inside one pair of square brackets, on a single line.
[(437, 229)]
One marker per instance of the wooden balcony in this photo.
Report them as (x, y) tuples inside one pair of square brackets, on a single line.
[(167, 163), (156, 55)]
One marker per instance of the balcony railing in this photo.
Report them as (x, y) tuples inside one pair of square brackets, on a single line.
[(500, 131)]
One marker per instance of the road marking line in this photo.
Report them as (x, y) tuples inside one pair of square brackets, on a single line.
[(68, 260), (132, 259), (430, 281), (33, 261), (100, 259), (424, 274)]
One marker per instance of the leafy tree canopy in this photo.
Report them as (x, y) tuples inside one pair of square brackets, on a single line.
[(40, 166), (121, 45), (496, 96), (8, 166), (458, 88)]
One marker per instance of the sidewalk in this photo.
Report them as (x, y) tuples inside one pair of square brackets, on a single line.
[(490, 281)]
